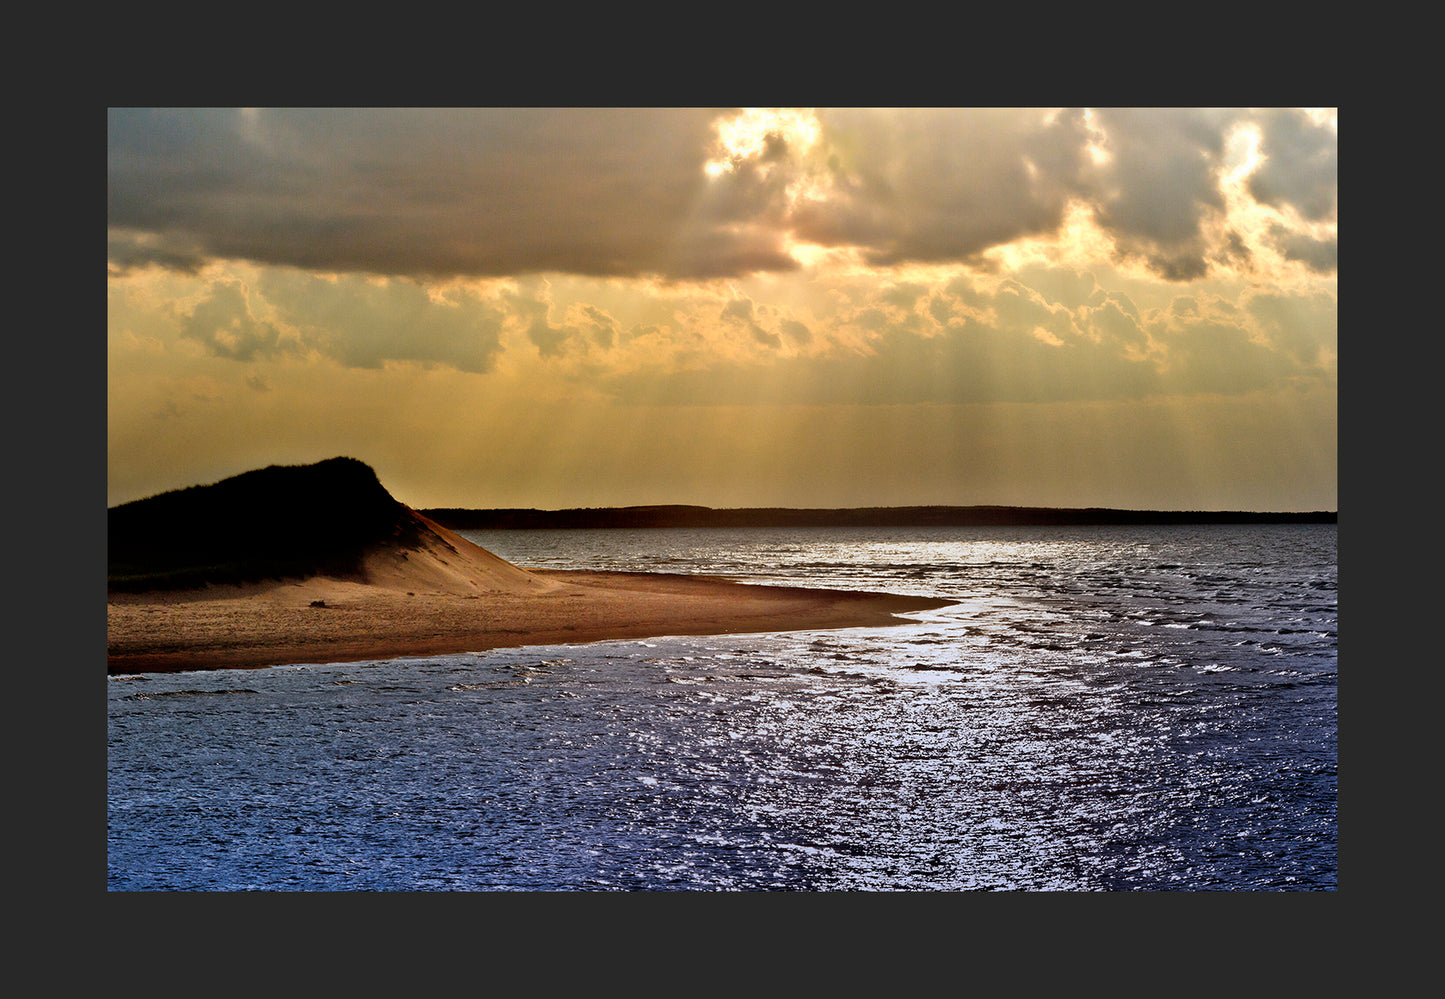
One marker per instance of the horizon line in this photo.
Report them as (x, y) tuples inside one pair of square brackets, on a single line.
[(692, 515)]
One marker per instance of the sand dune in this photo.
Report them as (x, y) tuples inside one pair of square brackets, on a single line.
[(443, 562), (439, 593)]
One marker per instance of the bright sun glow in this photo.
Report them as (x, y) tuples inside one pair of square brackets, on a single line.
[(746, 135)]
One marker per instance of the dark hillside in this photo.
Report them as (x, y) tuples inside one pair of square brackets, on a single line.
[(271, 523)]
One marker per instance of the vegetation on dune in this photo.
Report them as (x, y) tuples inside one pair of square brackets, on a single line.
[(277, 522)]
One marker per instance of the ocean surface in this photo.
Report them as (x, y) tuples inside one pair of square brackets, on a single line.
[(1103, 709)]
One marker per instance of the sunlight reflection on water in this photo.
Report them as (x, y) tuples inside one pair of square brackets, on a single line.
[(1098, 711)]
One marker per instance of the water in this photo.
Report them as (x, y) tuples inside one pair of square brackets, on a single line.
[(1103, 709)]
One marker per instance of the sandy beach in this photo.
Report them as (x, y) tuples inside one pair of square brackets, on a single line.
[(449, 596)]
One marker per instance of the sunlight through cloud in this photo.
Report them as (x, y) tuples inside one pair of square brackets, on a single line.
[(836, 274)]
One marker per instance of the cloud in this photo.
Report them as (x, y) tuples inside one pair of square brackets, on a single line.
[(416, 192), (795, 332), (1045, 336), (739, 312), (1304, 326), (1213, 357), (1159, 182), (977, 300), (596, 325), (1319, 255), (940, 184), (585, 329), (223, 323), (691, 194), (364, 323), (1301, 166)]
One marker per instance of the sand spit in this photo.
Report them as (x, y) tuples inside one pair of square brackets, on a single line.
[(443, 594)]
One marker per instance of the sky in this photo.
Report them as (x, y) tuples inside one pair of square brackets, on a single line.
[(561, 308)]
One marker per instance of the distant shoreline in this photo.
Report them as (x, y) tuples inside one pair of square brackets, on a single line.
[(901, 516), (319, 563)]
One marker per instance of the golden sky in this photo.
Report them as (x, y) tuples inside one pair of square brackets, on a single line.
[(1127, 308)]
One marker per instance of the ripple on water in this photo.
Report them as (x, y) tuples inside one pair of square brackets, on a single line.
[(1050, 731)]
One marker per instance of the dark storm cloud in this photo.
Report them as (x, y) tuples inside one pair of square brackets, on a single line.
[(413, 191), (1159, 182), (943, 184), (1319, 255), (946, 184), (1301, 167), (624, 191)]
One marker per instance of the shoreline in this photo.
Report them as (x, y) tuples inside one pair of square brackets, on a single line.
[(327, 620), (662, 517)]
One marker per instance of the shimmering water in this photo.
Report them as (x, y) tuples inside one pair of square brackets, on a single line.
[(1103, 709)]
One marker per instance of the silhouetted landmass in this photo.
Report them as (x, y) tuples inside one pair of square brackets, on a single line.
[(277, 522), (893, 516), (287, 521)]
